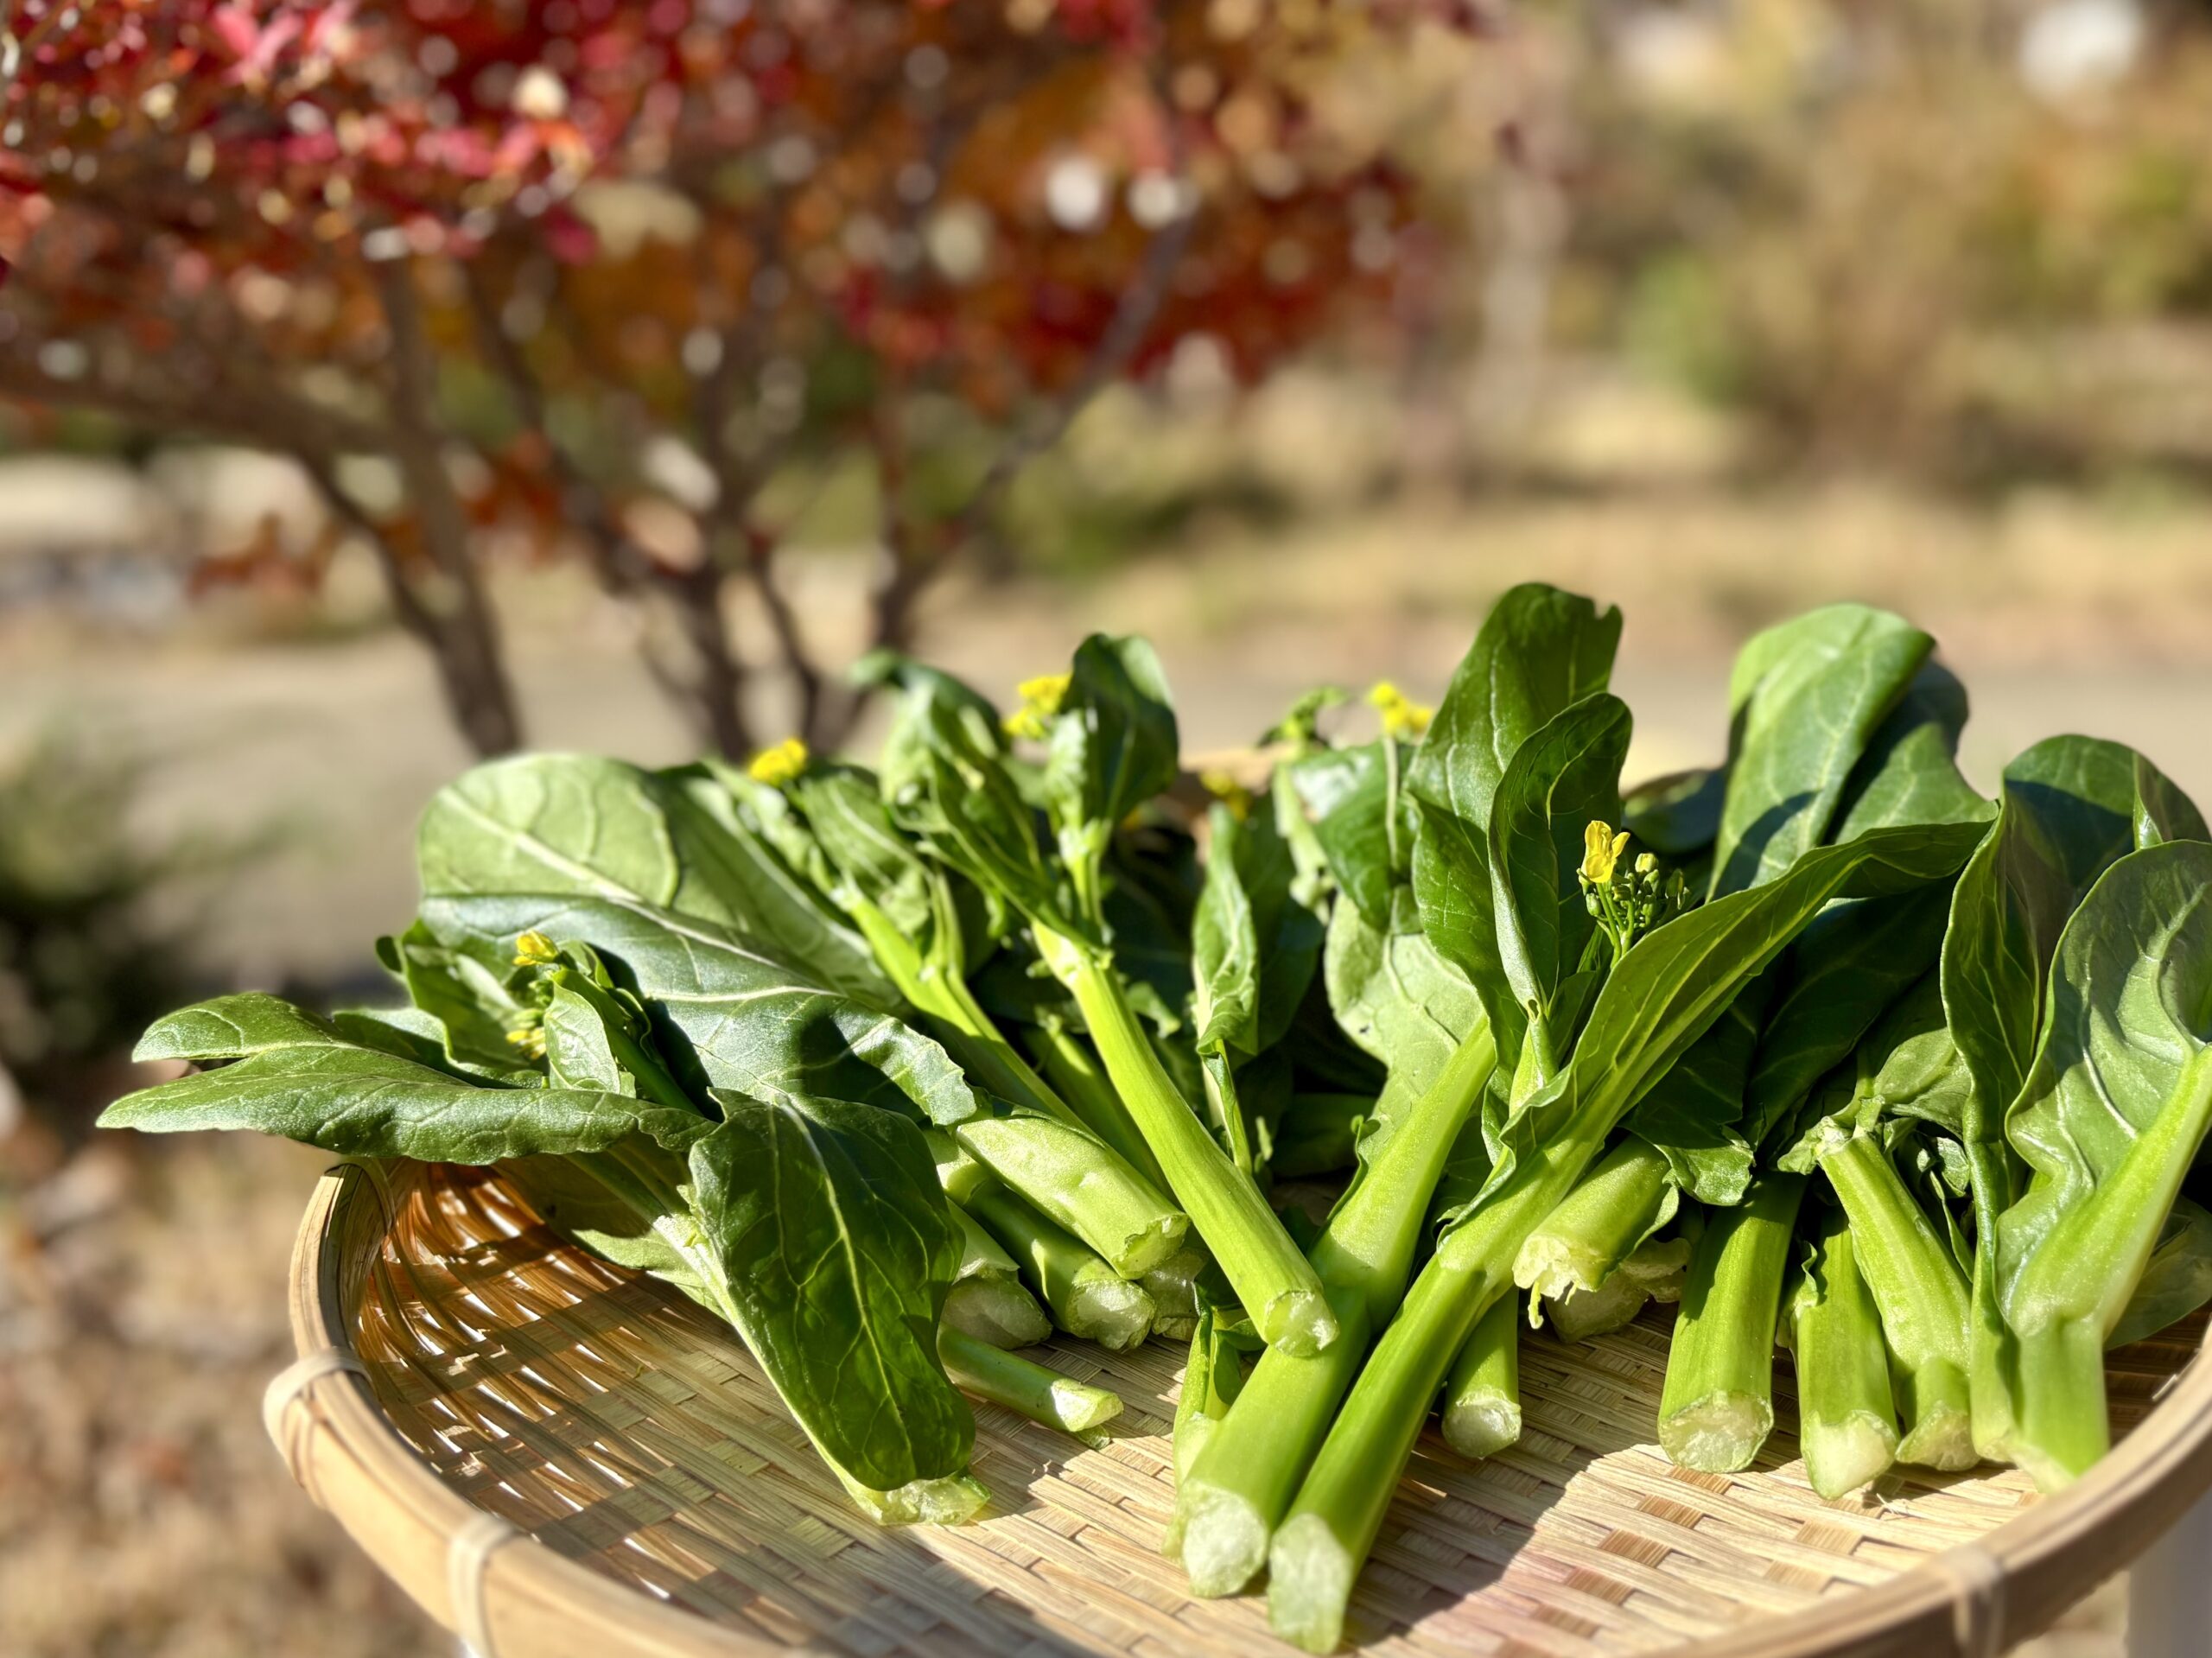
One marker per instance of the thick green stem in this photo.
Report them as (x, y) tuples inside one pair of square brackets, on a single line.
[(1613, 1209), (1063, 1173), (1074, 1068), (1926, 1306), (1482, 1395), (1367, 1245), (1250, 1468), (1087, 1298), (2062, 1427), (1273, 1281), (1718, 1404), (1211, 1380), (1847, 1416), (986, 1300), (1023, 1386), (1053, 1157), (1318, 1550), (1239, 1490)]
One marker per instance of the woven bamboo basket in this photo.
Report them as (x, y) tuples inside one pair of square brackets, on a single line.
[(558, 1459)]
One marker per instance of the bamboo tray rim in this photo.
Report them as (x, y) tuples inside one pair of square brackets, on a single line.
[(502, 1591)]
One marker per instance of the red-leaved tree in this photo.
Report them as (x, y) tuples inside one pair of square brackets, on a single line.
[(586, 277)]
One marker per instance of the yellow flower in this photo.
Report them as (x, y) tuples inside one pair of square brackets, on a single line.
[(1227, 790), (779, 766), (1041, 700), (1402, 716), (1601, 850), (535, 949)]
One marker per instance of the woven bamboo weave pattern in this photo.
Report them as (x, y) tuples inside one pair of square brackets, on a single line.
[(626, 1430)]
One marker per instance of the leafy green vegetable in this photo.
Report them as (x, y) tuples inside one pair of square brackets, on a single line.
[(2114, 1109), (1804, 701)]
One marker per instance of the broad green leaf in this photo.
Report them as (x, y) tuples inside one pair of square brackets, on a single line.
[(924, 692), (744, 805), (1396, 997), (1910, 772), (2068, 809), (1804, 701), (2119, 1095), (1908, 1066), (1346, 795), (466, 999), (1456, 902), (1114, 743), (1562, 777), (825, 1228), (1671, 986), (575, 823), (723, 1015), (965, 807), (297, 1075), (1678, 816), (874, 862), (1692, 1112), (1539, 651), (2163, 812), (577, 1051), (1850, 965)]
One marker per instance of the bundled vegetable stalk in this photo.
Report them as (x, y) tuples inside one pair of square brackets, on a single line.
[(897, 1069)]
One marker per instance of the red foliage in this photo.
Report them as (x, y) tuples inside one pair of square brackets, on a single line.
[(669, 214)]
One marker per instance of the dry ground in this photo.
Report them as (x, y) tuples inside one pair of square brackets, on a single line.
[(140, 1291)]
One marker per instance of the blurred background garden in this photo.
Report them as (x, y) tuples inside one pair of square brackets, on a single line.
[(383, 385)]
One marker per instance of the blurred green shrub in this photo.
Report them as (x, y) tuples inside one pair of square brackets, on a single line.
[(94, 924)]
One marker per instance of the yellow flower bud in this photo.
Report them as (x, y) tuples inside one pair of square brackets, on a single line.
[(1402, 716), (1227, 789), (535, 949), (782, 765), (1646, 863)]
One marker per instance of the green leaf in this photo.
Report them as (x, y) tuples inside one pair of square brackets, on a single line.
[(1805, 699), (964, 805), (722, 1015), (1839, 976), (1562, 777), (1225, 947), (298, 1075), (2163, 812), (1677, 816), (575, 823), (468, 1001), (2119, 1095), (2178, 1281), (1346, 795), (835, 1249), (1396, 997), (1691, 1113), (1910, 772), (927, 693), (2067, 810), (1540, 652), (577, 1051), (874, 862), (1671, 986), (1113, 741)]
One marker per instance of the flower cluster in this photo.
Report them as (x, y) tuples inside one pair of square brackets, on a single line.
[(1627, 899), (1403, 717), (1040, 702)]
